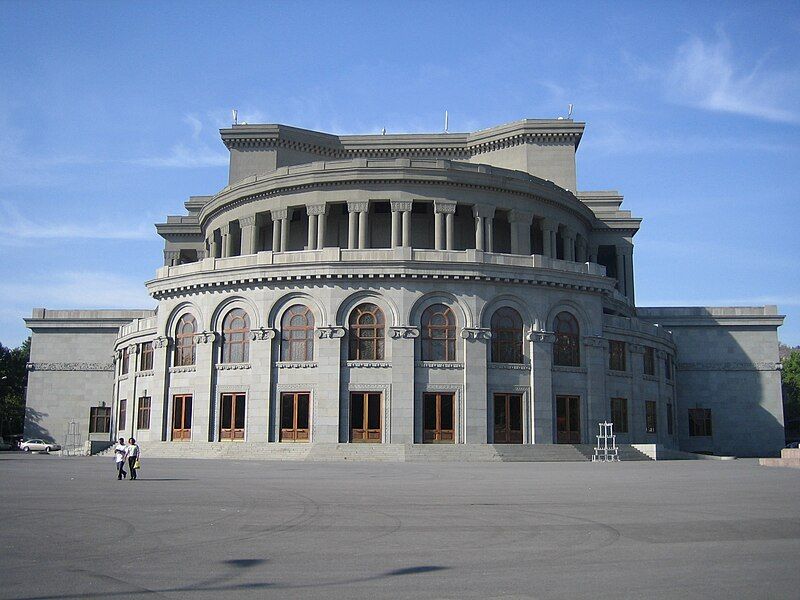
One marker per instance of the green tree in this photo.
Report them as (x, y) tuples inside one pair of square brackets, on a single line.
[(790, 386), (13, 381)]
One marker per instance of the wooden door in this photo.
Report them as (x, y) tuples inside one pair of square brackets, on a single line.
[(365, 417), (568, 420), (438, 418), (182, 418), (231, 423), (295, 416), (508, 418)]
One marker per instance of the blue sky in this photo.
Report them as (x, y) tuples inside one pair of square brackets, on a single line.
[(109, 115)]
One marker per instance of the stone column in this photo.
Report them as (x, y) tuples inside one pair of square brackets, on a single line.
[(475, 403), (249, 234), (478, 233), (363, 229), (401, 411), (395, 228), (621, 270), (569, 244), (322, 220), (520, 232), (593, 251), (548, 237), (598, 407), (489, 234), (225, 230), (213, 247), (629, 291), (285, 231), (444, 209), (483, 222), (352, 226), (279, 218), (542, 422), (407, 227), (311, 239)]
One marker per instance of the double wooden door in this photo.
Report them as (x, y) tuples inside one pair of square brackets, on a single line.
[(365, 417), (295, 416), (438, 418), (231, 423), (568, 420), (508, 418), (182, 417)]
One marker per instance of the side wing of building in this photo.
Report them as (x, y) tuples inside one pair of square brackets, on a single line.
[(728, 378), (71, 371)]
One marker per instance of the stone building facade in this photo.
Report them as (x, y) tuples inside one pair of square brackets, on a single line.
[(406, 289)]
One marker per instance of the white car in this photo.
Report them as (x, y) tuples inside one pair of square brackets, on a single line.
[(38, 445)]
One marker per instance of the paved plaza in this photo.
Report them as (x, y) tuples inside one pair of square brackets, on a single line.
[(255, 529)]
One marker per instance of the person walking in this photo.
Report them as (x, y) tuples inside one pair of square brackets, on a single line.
[(120, 454), (132, 453)]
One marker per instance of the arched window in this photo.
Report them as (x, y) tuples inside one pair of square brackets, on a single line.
[(566, 350), (235, 334), (438, 333), (367, 333), (297, 334), (506, 336), (184, 341)]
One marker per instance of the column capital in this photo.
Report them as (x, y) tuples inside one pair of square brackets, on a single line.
[(636, 348), (225, 229), (205, 337), (541, 337), (404, 332), (400, 205), (357, 206), (549, 224), (476, 333), (279, 214), (483, 210), (444, 206), (520, 216), (316, 209), (172, 254), (248, 221), (262, 333), (625, 249), (161, 342), (330, 332)]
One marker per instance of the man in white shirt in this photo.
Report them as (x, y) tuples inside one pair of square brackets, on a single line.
[(120, 454)]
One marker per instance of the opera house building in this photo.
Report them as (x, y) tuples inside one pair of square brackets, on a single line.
[(453, 289)]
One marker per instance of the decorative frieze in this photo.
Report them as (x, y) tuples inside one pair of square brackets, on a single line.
[(403, 332), (509, 366), (330, 332), (561, 369), (232, 366), (476, 333), (365, 364), (301, 364), (729, 366), (261, 334), (69, 366), (184, 369), (438, 364)]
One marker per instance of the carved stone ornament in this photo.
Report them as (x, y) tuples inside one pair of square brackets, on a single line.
[(476, 333), (324, 333), (205, 337), (248, 221), (316, 209), (279, 214), (262, 334), (729, 366), (444, 207), (304, 364), (637, 348), (161, 342), (595, 341), (367, 364), (355, 207), (69, 366), (400, 205), (403, 332), (438, 364), (541, 337)]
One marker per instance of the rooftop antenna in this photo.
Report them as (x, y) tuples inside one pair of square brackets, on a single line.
[(445, 122), (235, 114)]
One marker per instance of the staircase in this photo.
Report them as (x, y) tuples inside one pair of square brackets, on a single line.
[(323, 452)]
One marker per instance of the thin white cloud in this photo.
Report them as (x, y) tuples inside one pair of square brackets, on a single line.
[(196, 153), (17, 229), (705, 74)]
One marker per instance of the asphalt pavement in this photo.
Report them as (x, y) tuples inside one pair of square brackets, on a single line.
[(202, 529)]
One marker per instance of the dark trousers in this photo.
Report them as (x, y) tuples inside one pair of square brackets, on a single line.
[(131, 463), (121, 469)]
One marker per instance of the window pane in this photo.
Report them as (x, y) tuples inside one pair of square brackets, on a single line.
[(357, 408), (239, 414), (447, 411), (429, 411), (499, 411), (227, 402), (374, 412), (302, 411), (287, 411)]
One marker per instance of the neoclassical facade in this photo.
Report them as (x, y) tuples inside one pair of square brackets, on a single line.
[(413, 289)]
